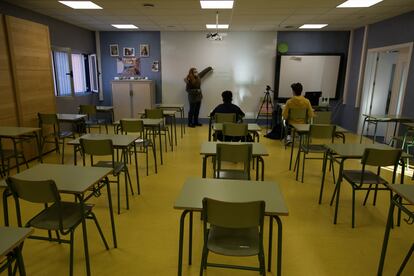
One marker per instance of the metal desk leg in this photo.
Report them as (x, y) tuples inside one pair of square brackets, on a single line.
[(182, 119), (181, 242), (325, 159), (85, 235), (15, 154), (279, 245), (363, 127), (338, 189), (19, 259), (6, 194), (257, 168), (291, 149), (386, 235), (209, 129), (111, 214), (124, 154), (190, 238), (39, 147), (204, 169), (297, 161), (159, 139), (175, 129), (136, 167), (269, 252)]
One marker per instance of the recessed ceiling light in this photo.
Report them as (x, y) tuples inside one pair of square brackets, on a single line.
[(124, 26), (216, 4), (215, 26), (313, 26), (81, 5), (358, 3)]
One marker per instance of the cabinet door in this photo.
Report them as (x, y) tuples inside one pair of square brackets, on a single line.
[(121, 100), (141, 98)]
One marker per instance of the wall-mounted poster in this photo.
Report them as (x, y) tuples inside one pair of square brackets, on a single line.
[(113, 49), (144, 50), (129, 52), (131, 67), (155, 66)]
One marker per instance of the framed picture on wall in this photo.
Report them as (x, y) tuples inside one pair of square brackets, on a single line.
[(144, 50), (155, 66), (113, 49), (129, 52)]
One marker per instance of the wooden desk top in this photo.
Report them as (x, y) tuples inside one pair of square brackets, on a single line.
[(69, 179), (195, 189), (250, 127), (118, 140), (11, 237), (406, 191), (209, 148)]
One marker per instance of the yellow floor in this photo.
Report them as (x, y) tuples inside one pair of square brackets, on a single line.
[(148, 232)]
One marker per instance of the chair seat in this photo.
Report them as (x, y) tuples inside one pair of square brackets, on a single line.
[(233, 242), (65, 133), (354, 177), (314, 148), (118, 166), (232, 174), (48, 219)]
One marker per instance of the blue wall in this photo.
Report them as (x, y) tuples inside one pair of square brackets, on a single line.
[(392, 31), (318, 42), (130, 39)]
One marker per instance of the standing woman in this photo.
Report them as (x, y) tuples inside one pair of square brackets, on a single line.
[(193, 81)]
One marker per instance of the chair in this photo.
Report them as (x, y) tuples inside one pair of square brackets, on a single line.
[(324, 134), (225, 118), (235, 229), (322, 117), (51, 122), (7, 154), (92, 121), (359, 179), (235, 153), (235, 132), (159, 114), (299, 115), (406, 141), (59, 216), (137, 126), (104, 148)]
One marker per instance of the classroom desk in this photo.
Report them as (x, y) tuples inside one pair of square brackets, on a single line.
[(10, 245), (122, 142), (208, 149), (178, 108), (375, 119), (252, 128), (173, 124), (153, 124), (106, 109), (344, 152), (69, 179), (76, 120), (402, 192), (303, 129), (16, 133), (195, 189)]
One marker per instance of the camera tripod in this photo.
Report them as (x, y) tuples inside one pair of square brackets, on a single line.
[(268, 104)]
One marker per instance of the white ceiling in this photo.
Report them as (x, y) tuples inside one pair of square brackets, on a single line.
[(247, 15)]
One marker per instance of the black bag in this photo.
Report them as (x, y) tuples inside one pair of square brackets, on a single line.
[(276, 133)]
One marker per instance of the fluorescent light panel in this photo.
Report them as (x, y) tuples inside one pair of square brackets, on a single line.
[(216, 4), (358, 3), (219, 26), (81, 5), (313, 26), (124, 26)]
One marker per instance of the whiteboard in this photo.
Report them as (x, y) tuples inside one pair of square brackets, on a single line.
[(315, 73)]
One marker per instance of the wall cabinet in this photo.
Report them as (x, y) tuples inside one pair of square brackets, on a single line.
[(129, 97)]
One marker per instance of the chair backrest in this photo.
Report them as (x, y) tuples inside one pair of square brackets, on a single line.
[(381, 157), (87, 109), (135, 126), (47, 119), (96, 147), (298, 114), (322, 131), (154, 113), (236, 153), (225, 117), (233, 214), (322, 117), (44, 191), (232, 129)]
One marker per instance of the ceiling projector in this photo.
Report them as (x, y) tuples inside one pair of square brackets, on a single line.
[(214, 36)]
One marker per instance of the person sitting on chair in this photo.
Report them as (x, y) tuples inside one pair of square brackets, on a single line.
[(297, 101), (228, 107)]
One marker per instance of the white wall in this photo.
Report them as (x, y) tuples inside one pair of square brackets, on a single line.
[(243, 62)]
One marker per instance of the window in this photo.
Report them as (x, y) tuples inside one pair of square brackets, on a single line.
[(74, 73)]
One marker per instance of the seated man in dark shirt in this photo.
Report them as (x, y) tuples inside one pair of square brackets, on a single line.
[(228, 107)]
